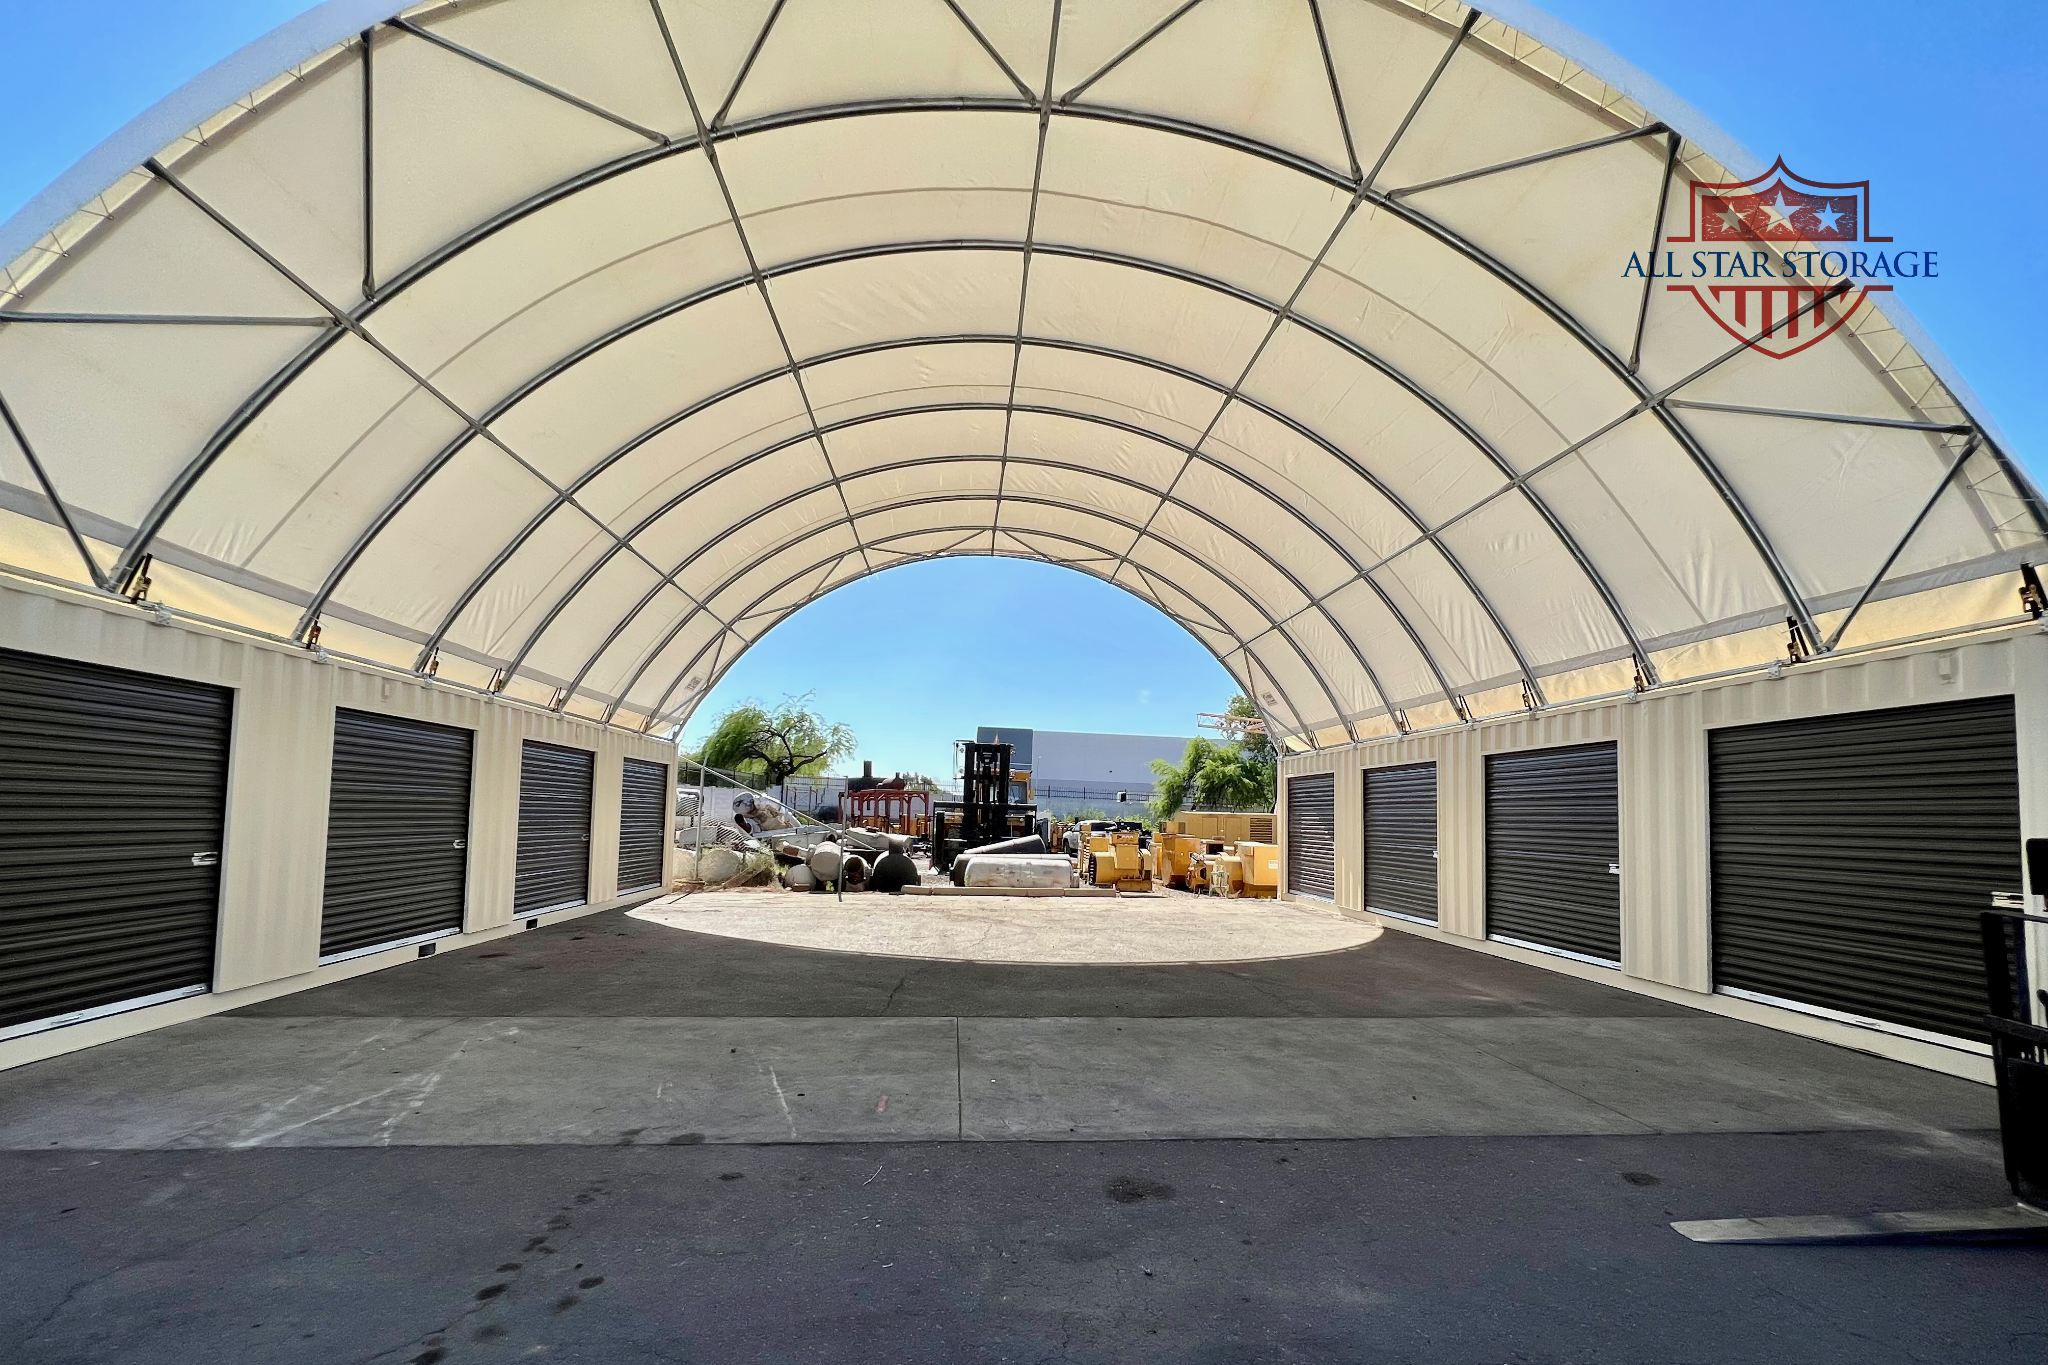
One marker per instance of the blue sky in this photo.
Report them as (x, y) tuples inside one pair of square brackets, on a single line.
[(1940, 105)]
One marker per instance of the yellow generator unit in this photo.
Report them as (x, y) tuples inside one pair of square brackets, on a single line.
[(1114, 859), (1261, 864), (1173, 856), (1226, 826)]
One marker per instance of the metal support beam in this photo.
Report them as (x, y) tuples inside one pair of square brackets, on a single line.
[(160, 320), (1052, 53), (1009, 73), (35, 467), (1948, 477), (1846, 419), (1594, 144), (1672, 143), (739, 228), (672, 504), (1118, 60), (655, 711), (747, 65), (369, 170), (1315, 14), (531, 82), (539, 202)]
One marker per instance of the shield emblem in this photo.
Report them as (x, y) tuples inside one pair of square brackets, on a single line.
[(1781, 209)]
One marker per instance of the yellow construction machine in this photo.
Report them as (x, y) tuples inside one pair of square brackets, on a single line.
[(1116, 858)]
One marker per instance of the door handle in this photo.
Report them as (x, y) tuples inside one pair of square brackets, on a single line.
[(206, 859), (462, 843)]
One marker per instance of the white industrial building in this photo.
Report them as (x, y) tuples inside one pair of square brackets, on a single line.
[(1075, 770)]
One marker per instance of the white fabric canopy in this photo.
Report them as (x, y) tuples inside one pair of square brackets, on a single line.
[(564, 347)]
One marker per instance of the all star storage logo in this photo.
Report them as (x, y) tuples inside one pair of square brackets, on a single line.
[(1765, 264)]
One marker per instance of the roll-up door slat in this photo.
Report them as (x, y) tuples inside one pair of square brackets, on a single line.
[(1553, 849), (1400, 840), (645, 794), (1312, 835), (113, 800), (554, 827), (1852, 854), (397, 831)]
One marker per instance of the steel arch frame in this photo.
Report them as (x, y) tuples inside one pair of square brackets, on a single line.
[(168, 500), (653, 713), (1312, 601), (1357, 351), (1274, 623)]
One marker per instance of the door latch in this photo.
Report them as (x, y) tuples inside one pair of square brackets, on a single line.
[(206, 859)]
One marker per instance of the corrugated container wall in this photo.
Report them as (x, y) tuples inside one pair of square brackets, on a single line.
[(1666, 944), (274, 856)]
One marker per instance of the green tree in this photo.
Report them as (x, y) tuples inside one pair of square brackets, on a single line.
[(1242, 772), (775, 744)]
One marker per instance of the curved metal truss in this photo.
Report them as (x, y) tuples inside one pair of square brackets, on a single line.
[(1357, 179)]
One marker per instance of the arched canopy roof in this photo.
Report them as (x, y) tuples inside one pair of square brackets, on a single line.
[(564, 347)]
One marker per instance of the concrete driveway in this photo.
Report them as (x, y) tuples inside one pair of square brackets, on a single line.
[(617, 1140)]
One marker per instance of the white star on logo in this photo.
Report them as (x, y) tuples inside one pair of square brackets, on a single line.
[(1780, 213), (1828, 216), (1732, 219)]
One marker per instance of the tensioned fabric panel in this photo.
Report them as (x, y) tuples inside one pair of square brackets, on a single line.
[(585, 342)]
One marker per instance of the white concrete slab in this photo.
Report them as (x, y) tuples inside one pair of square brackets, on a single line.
[(1003, 929)]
